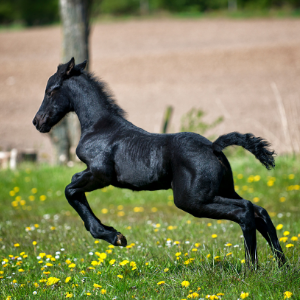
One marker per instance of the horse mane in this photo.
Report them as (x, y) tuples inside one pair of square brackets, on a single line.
[(107, 95)]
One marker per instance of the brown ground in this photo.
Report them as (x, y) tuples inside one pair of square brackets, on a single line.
[(224, 67)]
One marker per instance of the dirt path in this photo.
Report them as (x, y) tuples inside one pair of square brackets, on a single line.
[(225, 67)]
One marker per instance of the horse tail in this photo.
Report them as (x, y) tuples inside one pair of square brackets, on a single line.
[(256, 145)]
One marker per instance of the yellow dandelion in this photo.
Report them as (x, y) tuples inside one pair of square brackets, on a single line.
[(287, 294), (193, 295), (43, 197), (279, 226), (154, 209), (67, 279), (209, 224), (52, 280), (17, 245), (124, 262), (289, 245), (72, 266), (21, 270), (214, 236), (166, 269), (103, 291), (161, 282), (282, 199), (69, 295), (244, 295), (286, 233), (104, 210), (120, 276), (34, 190), (255, 199), (97, 286), (283, 239), (294, 239), (185, 283)]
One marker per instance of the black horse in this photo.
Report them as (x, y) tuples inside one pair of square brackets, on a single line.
[(118, 153)]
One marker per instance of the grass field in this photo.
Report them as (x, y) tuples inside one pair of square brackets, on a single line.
[(46, 252)]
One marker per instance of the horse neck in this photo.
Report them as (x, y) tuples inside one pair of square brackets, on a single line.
[(89, 105)]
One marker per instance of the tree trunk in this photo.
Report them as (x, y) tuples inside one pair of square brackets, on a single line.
[(75, 29)]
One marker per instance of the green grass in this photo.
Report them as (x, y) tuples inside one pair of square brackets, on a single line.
[(156, 231)]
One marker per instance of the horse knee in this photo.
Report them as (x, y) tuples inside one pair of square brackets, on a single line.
[(69, 192), (247, 217)]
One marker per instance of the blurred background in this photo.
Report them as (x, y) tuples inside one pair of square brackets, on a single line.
[(209, 66)]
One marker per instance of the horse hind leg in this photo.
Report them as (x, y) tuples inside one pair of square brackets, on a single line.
[(265, 226), (239, 211)]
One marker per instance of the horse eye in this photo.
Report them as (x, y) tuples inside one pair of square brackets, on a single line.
[(49, 94)]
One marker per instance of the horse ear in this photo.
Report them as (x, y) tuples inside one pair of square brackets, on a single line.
[(70, 66), (81, 66), (66, 69)]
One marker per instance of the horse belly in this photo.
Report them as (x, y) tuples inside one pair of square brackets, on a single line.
[(139, 176)]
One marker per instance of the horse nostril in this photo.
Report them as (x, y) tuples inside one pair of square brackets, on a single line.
[(34, 122)]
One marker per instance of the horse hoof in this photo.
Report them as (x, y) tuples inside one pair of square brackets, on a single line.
[(121, 240)]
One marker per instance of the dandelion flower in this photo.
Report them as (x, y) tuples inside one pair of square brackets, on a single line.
[(120, 276), (72, 266), (214, 236), (294, 239), (103, 291), (161, 282), (244, 295), (97, 286), (289, 245), (283, 239), (287, 295), (166, 269), (52, 280), (69, 295), (124, 262), (279, 226), (185, 283), (67, 279)]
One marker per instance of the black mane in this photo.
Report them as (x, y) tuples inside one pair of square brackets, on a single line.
[(107, 95)]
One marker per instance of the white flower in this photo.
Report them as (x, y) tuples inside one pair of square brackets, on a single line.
[(62, 249), (34, 293), (57, 256), (91, 253), (57, 252), (38, 257), (187, 242)]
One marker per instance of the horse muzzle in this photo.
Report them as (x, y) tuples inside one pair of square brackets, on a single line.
[(40, 123)]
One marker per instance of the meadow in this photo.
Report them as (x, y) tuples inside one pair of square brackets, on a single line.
[(46, 253)]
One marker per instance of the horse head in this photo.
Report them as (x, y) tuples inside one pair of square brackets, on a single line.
[(56, 103)]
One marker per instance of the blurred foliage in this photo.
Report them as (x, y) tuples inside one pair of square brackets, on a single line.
[(192, 121), (29, 12), (37, 12)]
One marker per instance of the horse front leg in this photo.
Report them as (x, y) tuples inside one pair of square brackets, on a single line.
[(75, 193)]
